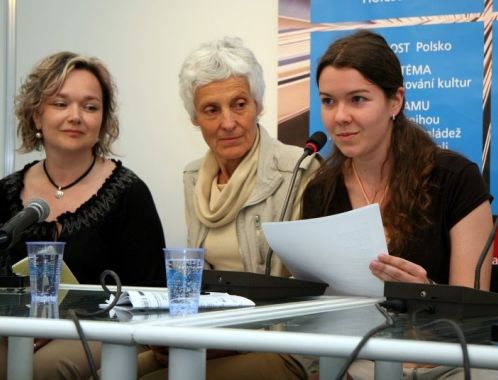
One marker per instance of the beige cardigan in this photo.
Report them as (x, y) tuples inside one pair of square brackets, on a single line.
[(276, 163)]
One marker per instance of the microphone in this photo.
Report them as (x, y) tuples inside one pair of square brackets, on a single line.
[(263, 287), (448, 300), (37, 210), (314, 143)]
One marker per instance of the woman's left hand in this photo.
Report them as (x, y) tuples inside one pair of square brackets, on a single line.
[(39, 343), (392, 268), (161, 354)]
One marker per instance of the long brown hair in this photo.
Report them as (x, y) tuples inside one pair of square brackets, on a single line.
[(412, 151)]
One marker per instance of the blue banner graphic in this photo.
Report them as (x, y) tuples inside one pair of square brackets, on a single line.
[(443, 72), (331, 11)]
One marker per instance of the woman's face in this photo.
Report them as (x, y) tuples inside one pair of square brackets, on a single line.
[(71, 119), (356, 113), (227, 115)]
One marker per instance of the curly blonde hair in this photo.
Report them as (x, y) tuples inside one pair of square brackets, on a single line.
[(46, 79)]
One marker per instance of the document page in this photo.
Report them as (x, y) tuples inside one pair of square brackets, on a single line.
[(335, 249), (67, 277), (142, 300)]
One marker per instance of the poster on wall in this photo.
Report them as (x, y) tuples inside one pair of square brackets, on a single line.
[(494, 136), (443, 73), (359, 10), (449, 95), (453, 58)]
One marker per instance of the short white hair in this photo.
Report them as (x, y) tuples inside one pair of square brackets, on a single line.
[(219, 60)]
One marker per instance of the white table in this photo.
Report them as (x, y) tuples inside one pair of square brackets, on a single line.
[(119, 338), (331, 335), (328, 327)]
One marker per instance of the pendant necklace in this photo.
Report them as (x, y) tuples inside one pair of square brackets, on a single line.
[(59, 193), (358, 179)]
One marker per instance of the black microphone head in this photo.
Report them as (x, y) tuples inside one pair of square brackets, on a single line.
[(41, 207), (315, 142)]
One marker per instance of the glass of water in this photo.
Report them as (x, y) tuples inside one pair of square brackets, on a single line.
[(45, 261), (184, 276)]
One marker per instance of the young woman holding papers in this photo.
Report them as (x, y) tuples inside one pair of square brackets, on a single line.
[(434, 203)]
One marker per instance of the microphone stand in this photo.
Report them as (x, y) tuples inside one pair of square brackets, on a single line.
[(9, 279), (37, 210), (483, 255), (263, 287), (448, 300), (307, 152), (4, 239)]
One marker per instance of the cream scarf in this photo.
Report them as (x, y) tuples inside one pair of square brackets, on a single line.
[(233, 195)]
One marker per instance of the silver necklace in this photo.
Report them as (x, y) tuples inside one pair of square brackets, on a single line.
[(59, 193)]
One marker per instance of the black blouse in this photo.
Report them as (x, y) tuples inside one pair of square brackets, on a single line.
[(118, 228), (458, 189)]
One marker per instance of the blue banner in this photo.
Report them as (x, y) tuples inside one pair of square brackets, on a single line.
[(328, 11), (443, 72), (331, 11)]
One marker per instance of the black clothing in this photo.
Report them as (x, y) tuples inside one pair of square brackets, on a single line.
[(458, 188), (118, 228)]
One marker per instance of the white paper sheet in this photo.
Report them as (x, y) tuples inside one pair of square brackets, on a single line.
[(147, 299), (335, 249)]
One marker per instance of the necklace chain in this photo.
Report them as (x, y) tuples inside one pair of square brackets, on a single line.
[(59, 193), (358, 179)]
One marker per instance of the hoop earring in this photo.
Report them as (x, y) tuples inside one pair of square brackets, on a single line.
[(38, 134)]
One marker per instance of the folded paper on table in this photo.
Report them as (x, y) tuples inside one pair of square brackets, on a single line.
[(127, 314), (21, 268), (67, 277), (335, 249), (142, 300)]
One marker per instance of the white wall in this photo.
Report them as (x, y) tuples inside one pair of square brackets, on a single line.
[(3, 73), (144, 42)]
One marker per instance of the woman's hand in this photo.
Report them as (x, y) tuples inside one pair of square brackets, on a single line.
[(392, 268), (39, 343), (215, 354), (161, 354)]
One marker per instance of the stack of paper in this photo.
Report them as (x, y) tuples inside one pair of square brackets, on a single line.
[(142, 300), (335, 249)]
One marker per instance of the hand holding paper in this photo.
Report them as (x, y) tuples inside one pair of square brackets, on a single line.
[(335, 249)]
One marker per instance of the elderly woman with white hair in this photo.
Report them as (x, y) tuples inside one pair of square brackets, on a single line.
[(240, 183)]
